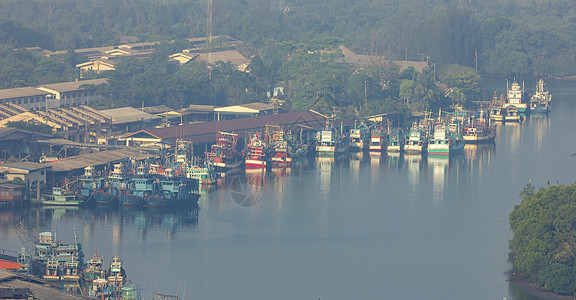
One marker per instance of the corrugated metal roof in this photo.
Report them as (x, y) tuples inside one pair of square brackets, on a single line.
[(206, 132), (232, 56), (128, 114), (21, 92), (255, 107), (5, 265), (96, 159), (40, 291), (26, 165), (73, 85)]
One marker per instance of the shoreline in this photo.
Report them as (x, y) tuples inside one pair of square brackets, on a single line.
[(531, 289)]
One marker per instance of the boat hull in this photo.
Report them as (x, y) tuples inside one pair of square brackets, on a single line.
[(255, 164)]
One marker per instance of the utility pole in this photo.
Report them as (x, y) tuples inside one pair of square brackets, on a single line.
[(476, 57), (406, 53)]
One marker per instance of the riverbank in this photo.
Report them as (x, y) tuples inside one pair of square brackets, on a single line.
[(532, 289)]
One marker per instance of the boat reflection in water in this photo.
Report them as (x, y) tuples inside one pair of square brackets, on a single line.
[(395, 160), (416, 164), (541, 124), (324, 165), (443, 171)]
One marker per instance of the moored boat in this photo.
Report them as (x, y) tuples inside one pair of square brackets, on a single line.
[(223, 154), (515, 97), (377, 140), (61, 197), (512, 114), (359, 138), (444, 142), (331, 142), (255, 156), (395, 141), (278, 147), (540, 101), (416, 140), (478, 131)]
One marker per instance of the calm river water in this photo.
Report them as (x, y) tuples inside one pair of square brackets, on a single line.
[(364, 227)]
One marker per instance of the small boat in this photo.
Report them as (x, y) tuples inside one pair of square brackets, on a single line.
[(61, 197), (417, 140), (540, 101), (513, 115), (255, 156), (444, 142), (396, 140)]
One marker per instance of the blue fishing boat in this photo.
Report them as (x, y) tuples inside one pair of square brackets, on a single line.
[(173, 191)]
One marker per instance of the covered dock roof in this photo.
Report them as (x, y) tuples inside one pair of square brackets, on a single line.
[(206, 132), (96, 159)]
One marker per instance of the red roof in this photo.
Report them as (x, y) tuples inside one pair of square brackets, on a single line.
[(5, 265), (206, 132)]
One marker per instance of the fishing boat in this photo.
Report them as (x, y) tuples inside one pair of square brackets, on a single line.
[(61, 197), (417, 140), (205, 174), (377, 140), (445, 142), (478, 131), (52, 272), (331, 142), (359, 138), (512, 114), (139, 189), (396, 140), (255, 156), (540, 101), (515, 97), (223, 154), (116, 273), (497, 114), (95, 269), (71, 271), (278, 146), (173, 191)]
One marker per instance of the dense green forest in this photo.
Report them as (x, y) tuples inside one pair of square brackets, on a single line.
[(544, 243), (288, 39)]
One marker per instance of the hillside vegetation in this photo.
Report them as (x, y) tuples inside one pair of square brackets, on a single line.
[(544, 245)]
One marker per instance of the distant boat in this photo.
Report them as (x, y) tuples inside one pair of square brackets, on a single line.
[(359, 138), (61, 197), (515, 97), (416, 140), (223, 154), (540, 101), (512, 114), (331, 142), (116, 273), (444, 142), (278, 147), (377, 140), (478, 131), (396, 140), (255, 156)]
